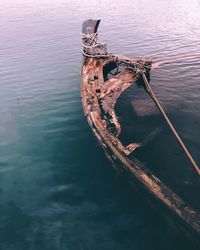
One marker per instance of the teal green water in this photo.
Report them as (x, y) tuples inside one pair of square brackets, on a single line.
[(57, 190)]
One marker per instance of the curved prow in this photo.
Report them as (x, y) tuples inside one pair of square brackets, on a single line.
[(91, 45), (90, 26)]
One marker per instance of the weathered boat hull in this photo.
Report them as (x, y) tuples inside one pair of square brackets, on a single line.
[(99, 96)]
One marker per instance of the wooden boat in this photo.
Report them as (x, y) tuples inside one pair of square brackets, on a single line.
[(104, 78)]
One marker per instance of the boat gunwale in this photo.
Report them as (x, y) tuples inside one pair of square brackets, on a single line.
[(152, 184)]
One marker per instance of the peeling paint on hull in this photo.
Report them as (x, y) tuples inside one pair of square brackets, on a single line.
[(99, 97)]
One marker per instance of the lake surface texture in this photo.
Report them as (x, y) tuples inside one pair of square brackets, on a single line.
[(57, 189)]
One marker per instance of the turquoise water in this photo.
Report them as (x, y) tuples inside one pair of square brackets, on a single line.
[(57, 190)]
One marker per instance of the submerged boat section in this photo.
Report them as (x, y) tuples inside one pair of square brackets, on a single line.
[(104, 78)]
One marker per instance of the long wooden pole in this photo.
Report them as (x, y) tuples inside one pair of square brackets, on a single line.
[(149, 89)]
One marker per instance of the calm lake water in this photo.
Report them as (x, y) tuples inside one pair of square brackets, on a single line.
[(57, 189)]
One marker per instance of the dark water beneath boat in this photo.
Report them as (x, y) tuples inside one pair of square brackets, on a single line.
[(57, 189)]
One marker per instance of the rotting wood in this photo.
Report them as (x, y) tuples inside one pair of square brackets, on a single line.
[(99, 98)]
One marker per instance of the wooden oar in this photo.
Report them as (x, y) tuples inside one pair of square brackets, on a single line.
[(149, 89)]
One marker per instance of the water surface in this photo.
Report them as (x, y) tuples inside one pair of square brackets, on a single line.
[(57, 189)]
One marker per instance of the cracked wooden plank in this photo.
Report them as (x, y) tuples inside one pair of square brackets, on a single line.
[(99, 98)]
